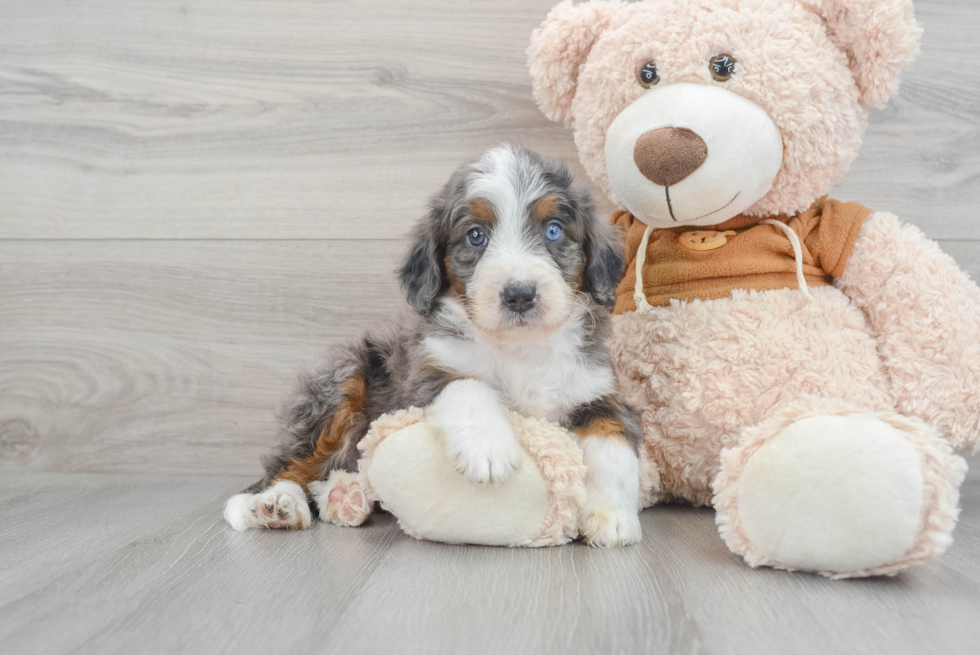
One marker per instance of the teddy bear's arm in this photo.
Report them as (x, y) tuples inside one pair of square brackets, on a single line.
[(926, 314)]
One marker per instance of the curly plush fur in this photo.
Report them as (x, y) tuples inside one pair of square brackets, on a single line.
[(943, 473), (924, 311), (815, 75), (702, 372), (740, 396), (898, 332)]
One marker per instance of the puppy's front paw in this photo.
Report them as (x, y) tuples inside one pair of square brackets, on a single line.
[(485, 453), (479, 438), (609, 526)]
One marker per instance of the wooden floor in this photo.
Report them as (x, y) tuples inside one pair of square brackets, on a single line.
[(196, 197), (114, 563)]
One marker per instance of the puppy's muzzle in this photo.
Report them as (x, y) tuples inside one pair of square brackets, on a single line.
[(667, 155), (519, 297)]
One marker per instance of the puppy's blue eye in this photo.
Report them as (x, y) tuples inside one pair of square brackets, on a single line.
[(553, 233), (476, 237)]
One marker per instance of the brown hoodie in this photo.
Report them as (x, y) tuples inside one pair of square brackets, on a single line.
[(701, 263)]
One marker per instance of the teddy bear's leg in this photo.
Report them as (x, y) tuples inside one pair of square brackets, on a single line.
[(828, 487), (340, 499)]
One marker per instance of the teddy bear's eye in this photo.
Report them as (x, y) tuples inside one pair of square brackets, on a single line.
[(722, 67), (648, 75)]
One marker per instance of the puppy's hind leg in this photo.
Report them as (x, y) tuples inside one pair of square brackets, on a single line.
[(323, 425), (340, 499), (281, 506)]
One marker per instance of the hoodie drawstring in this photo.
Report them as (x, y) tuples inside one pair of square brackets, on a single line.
[(644, 307), (798, 256)]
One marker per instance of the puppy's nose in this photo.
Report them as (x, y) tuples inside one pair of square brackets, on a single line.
[(668, 155), (519, 297)]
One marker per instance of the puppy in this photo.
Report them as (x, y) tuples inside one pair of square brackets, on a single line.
[(509, 276)]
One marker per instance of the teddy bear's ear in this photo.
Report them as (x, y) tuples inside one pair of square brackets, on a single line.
[(558, 49), (880, 37)]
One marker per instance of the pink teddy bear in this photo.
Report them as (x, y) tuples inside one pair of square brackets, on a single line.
[(805, 366)]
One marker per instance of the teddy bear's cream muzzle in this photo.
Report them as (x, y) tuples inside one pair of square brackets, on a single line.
[(691, 154)]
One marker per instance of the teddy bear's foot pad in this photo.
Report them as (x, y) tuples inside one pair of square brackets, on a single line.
[(341, 500), (280, 507), (844, 495)]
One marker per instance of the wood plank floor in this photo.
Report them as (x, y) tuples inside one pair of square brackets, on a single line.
[(198, 196), (124, 563)]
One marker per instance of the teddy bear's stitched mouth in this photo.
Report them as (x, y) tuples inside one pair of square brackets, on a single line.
[(670, 207)]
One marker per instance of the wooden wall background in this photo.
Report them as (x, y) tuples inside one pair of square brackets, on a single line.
[(197, 197)]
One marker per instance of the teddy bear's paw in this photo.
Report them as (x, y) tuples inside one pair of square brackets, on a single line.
[(280, 507), (341, 500), (485, 454), (847, 495), (607, 527)]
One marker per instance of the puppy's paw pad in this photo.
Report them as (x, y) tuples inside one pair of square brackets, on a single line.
[(346, 505), (280, 507), (607, 527)]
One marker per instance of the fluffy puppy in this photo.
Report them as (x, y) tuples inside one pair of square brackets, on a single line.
[(509, 276)]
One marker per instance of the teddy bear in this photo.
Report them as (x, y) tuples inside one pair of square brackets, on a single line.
[(805, 366)]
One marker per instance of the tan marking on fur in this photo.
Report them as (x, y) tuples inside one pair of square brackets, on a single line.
[(546, 208), (482, 210), (306, 470), (602, 427), (429, 368)]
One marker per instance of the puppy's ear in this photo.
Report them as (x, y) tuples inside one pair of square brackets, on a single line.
[(880, 38), (604, 259), (423, 275), (558, 49)]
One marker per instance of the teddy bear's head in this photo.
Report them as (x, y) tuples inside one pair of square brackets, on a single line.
[(694, 111)]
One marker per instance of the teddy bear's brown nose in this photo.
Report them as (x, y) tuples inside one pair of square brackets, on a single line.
[(667, 155)]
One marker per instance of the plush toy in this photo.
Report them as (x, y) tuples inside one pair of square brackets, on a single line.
[(404, 466), (804, 365)]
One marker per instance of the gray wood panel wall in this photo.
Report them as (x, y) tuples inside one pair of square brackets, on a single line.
[(197, 197)]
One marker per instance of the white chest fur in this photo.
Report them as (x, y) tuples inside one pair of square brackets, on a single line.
[(542, 378)]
